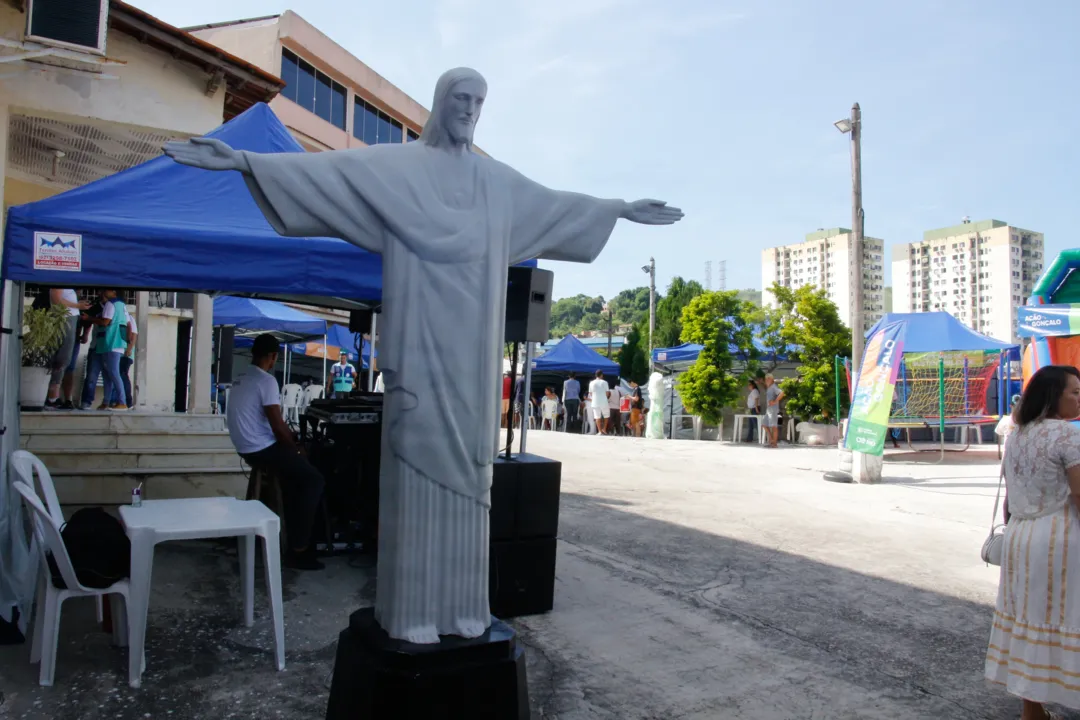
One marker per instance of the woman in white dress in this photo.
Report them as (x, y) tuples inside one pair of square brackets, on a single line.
[(1034, 648)]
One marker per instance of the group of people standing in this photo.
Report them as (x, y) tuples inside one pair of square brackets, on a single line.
[(111, 330), (602, 408), (769, 408)]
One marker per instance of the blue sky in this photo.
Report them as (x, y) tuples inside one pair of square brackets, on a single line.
[(726, 109)]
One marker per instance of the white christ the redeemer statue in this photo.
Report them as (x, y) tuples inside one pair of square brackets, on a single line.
[(448, 223)]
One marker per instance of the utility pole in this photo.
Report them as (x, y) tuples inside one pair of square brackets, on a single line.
[(610, 327), (651, 269), (853, 125), (722, 284), (857, 233)]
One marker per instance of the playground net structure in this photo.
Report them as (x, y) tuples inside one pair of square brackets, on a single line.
[(931, 386)]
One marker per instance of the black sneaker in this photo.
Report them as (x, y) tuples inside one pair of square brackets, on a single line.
[(52, 404), (302, 560), (66, 405)]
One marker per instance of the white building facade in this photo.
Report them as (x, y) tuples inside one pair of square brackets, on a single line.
[(980, 272), (823, 260)]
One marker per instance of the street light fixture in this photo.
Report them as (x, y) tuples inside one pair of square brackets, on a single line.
[(853, 126)]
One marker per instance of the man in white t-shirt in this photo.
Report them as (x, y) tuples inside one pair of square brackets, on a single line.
[(615, 396), (261, 437), (598, 392)]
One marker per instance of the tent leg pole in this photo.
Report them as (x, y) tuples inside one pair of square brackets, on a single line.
[(526, 394), (371, 360)]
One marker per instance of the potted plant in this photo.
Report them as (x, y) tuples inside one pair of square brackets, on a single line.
[(43, 333)]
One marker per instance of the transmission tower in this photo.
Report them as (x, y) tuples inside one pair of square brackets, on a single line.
[(708, 274), (722, 273)]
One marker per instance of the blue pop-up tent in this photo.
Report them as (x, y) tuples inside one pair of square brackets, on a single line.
[(162, 225), (572, 355), (252, 315), (687, 353), (941, 332), (339, 336)]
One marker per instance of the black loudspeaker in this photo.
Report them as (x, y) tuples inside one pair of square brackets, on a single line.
[(360, 322), (223, 346), (528, 304), (524, 529), (525, 498), (522, 577)]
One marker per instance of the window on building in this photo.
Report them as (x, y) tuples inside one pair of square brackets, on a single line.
[(412, 136), (313, 90), (373, 126)]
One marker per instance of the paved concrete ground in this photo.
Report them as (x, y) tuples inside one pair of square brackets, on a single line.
[(695, 580)]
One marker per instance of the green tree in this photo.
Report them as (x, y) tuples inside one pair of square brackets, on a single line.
[(812, 329), (769, 325), (750, 295), (568, 314), (669, 311), (630, 306), (718, 321), (633, 358)]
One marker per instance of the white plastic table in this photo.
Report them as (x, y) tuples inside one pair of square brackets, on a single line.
[(162, 520), (737, 433)]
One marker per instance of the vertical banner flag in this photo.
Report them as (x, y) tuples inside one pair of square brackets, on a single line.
[(868, 421)]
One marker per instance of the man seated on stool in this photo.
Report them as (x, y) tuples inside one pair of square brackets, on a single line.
[(262, 438)]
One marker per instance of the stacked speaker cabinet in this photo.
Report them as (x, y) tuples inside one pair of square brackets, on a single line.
[(524, 532)]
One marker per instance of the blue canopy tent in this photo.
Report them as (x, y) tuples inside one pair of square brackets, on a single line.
[(571, 355), (162, 225), (682, 356), (941, 332), (338, 336), (165, 226), (950, 383), (254, 315)]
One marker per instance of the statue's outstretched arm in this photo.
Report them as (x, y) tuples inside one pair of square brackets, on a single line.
[(207, 154)]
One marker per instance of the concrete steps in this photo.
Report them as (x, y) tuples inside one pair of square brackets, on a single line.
[(42, 441), (96, 458), (103, 421)]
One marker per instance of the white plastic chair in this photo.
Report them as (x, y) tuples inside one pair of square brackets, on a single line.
[(549, 413), (47, 622), (34, 473), (290, 402), (311, 392)]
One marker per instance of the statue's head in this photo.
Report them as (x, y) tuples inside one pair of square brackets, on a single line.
[(459, 97)]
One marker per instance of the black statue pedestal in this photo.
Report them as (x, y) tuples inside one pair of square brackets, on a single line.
[(379, 678)]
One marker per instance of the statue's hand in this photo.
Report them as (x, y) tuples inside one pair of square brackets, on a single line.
[(205, 153), (651, 212)]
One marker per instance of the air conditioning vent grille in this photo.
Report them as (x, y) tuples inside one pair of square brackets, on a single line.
[(77, 22)]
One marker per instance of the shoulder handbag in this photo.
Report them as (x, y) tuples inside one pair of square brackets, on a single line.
[(993, 548)]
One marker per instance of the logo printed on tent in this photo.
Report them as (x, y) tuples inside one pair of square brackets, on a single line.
[(57, 251)]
